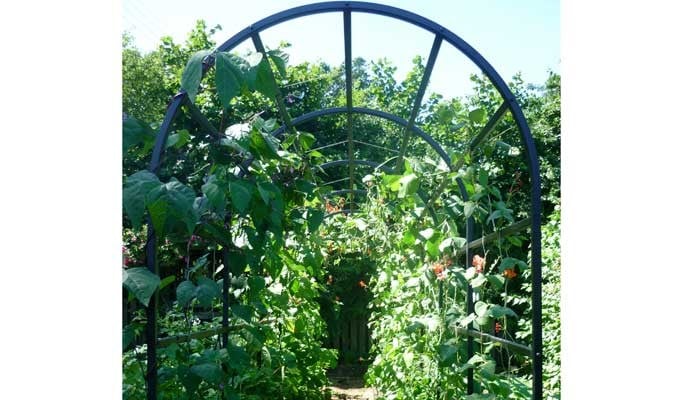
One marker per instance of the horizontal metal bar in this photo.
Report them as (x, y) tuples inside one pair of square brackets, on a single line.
[(508, 344), (166, 341), (344, 191), (345, 211), (335, 181), (509, 230), (369, 163), (310, 116), (375, 146), (328, 145)]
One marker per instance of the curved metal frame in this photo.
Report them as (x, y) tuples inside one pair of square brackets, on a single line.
[(441, 33)]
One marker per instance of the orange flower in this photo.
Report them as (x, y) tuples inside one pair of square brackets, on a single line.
[(509, 273), (362, 284), (437, 269), (479, 263)]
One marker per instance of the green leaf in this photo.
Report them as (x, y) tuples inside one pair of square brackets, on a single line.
[(166, 281), (408, 185), (415, 326), (193, 72), (136, 131), (469, 208), (127, 336), (172, 202), (229, 76), (135, 192), (265, 81), (497, 280), (178, 139), (447, 354), (306, 140), (265, 194), (314, 219), (242, 311), (206, 291), (208, 371), (360, 224), (190, 380), (483, 177), (240, 196), (497, 311), (262, 144), (488, 369), (280, 59), (477, 115), (185, 292), (510, 262), (408, 358), (426, 234), (214, 193), (479, 280), (480, 308), (238, 357), (141, 282)]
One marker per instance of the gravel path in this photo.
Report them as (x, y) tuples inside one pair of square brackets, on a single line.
[(347, 384)]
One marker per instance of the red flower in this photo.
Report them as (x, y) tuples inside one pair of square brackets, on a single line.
[(509, 273), (479, 263), (498, 327)]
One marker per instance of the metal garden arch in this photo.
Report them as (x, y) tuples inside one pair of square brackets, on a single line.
[(440, 34)]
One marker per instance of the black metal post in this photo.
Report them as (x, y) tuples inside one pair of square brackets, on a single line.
[(469, 304), (225, 294), (419, 99), (349, 100), (151, 250)]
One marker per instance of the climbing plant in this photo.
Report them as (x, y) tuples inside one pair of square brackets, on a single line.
[(236, 191)]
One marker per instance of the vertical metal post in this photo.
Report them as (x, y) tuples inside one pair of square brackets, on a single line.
[(469, 305), (349, 100), (225, 295), (151, 250), (151, 314)]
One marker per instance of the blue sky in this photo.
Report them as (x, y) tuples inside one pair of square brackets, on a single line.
[(514, 36)]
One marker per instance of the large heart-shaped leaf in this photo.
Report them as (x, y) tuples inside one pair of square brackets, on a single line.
[(207, 291), (141, 282), (409, 185), (135, 192), (136, 131), (230, 78), (240, 194), (185, 292), (210, 372), (172, 202), (214, 192), (447, 354), (265, 81), (193, 72)]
